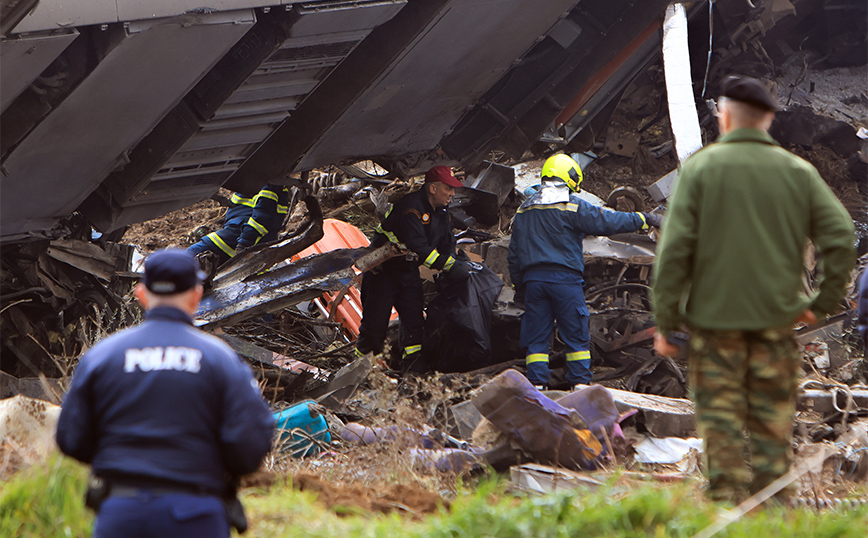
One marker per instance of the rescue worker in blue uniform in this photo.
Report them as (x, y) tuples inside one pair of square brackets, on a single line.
[(247, 222), (164, 413), (419, 223), (546, 266)]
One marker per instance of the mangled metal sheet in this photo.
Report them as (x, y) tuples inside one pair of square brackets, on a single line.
[(545, 479), (629, 246), (88, 257), (662, 416), (483, 194), (287, 286), (261, 355)]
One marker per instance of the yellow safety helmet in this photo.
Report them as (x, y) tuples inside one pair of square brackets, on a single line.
[(563, 167)]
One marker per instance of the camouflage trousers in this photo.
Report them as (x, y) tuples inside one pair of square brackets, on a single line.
[(743, 384)]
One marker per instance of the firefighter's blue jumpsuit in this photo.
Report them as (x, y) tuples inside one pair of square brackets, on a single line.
[(546, 259), (164, 413), (247, 222)]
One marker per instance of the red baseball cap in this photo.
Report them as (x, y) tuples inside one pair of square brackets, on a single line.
[(443, 174)]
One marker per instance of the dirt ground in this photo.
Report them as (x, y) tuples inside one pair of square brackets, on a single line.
[(175, 229), (408, 499)]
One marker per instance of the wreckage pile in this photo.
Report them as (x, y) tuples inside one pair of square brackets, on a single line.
[(356, 421)]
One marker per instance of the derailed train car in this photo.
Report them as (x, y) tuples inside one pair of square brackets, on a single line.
[(124, 111)]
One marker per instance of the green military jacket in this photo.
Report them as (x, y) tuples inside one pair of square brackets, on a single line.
[(731, 253)]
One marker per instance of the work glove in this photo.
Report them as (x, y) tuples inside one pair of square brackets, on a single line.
[(459, 272), (241, 248), (652, 219), (518, 299)]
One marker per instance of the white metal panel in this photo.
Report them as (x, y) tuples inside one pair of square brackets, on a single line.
[(22, 60)]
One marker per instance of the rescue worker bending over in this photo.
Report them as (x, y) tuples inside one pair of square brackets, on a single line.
[(546, 266), (164, 413), (248, 221), (419, 223)]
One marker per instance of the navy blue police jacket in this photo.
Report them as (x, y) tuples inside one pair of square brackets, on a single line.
[(165, 401), (549, 227), (413, 223)]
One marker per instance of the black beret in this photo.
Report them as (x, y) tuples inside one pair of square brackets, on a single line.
[(748, 90)]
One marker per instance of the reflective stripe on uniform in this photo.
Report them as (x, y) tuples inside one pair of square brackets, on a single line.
[(432, 258), (644, 222), (359, 353), (409, 350), (265, 193), (240, 200), (579, 356), (537, 357), (256, 226), (284, 209), (217, 240), (562, 206), (391, 237), (450, 261)]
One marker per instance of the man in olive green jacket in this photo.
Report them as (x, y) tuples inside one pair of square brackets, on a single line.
[(729, 268)]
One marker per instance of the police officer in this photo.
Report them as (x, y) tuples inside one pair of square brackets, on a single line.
[(418, 223), (247, 222), (164, 413), (546, 265)]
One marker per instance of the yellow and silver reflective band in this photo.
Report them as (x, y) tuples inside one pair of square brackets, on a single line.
[(431, 259), (409, 350), (256, 226), (389, 235), (240, 200), (220, 243), (450, 261), (644, 222), (359, 353), (579, 356), (284, 209), (537, 357), (265, 193), (562, 206)]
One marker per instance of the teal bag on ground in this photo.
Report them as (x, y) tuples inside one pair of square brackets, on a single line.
[(301, 428)]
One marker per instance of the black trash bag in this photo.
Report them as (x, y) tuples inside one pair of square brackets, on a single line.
[(457, 334)]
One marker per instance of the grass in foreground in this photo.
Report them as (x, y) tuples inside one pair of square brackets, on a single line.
[(46, 501)]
